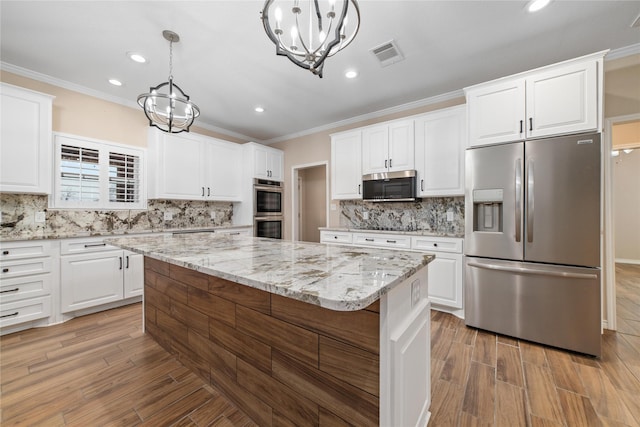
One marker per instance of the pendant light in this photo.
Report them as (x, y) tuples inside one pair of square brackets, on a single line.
[(314, 31), (166, 106)]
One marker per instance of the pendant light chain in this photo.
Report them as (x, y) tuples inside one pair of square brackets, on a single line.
[(171, 59)]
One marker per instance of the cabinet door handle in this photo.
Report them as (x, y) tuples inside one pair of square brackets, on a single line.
[(94, 245), (127, 261), (369, 240), (521, 125), (237, 233), (120, 262), (390, 161), (5, 252), (9, 290), (202, 191), (208, 191), (359, 186), (530, 124), (422, 185), (5, 270), (9, 315), (385, 163), (391, 241)]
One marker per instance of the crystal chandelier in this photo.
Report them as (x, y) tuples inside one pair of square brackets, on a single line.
[(314, 32), (166, 106)]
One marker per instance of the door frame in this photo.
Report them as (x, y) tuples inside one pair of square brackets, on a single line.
[(295, 196), (609, 262)]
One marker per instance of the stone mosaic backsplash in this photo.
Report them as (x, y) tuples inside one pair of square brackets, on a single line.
[(429, 215), (19, 211)]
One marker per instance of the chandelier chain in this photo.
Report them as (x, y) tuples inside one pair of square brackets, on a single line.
[(170, 59)]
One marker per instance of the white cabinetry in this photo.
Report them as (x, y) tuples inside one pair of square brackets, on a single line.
[(25, 140), (93, 273), (346, 166), (388, 147), (445, 272), (441, 138), (28, 274), (559, 99), (335, 237), (268, 163), (193, 167)]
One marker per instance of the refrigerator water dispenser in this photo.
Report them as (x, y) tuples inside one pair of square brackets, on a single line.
[(487, 210)]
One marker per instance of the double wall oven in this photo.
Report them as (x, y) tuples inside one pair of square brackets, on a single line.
[(268, 204)]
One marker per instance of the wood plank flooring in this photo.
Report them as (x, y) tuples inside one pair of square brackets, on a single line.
[(102, 370)]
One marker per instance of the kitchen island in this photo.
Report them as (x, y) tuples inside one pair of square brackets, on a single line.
[(294, 333)]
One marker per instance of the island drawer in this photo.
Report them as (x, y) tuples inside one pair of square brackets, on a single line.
[(437, 244), (81, 246)]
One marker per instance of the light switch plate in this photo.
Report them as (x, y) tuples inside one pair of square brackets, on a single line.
[(212, 214), (449, 216), (40, 217), (168, 216), (365, 215)]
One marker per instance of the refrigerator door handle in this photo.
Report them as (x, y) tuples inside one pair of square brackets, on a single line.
[(518, 199), (525, 270), (530, 200)]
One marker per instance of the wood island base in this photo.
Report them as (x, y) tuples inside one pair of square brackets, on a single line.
[(287, 362)]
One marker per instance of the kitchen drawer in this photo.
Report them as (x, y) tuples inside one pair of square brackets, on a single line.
[(24, 267), (20, 288), (437, 244), (335, 237), (27, 310), (390, 241), (26, 249), (82, 246)]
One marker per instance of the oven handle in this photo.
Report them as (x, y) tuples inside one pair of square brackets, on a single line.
[(268, 188), (268, 218)]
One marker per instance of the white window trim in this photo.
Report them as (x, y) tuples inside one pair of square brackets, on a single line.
[(103, 147)]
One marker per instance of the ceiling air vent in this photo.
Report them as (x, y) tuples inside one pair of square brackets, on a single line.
[(387, 53)]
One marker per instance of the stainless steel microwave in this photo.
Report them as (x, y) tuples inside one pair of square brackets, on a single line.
[(389, 186)]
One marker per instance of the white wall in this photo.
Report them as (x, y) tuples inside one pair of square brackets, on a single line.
[(626, 206)]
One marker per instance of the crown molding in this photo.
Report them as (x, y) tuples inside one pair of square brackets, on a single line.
[(373, 115), (44, 78), (622, 52)]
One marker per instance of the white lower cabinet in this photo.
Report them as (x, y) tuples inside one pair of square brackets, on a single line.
[(99, 274), (27, 276)]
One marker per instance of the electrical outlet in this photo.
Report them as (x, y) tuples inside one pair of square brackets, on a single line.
[(40, 217), (168, 216), (365, 215), (212, 214), (450, 216), (415, 292)]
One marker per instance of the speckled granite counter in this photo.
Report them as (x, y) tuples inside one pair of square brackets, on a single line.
[(338, 278), (403, 232)]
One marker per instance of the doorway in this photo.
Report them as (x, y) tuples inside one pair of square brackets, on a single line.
[(310, 207), (622, 226)]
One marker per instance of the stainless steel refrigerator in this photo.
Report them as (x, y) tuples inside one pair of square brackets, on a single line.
[(532, 238)]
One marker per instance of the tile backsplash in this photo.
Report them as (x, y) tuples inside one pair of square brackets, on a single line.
[(19, 211), (429, 215)]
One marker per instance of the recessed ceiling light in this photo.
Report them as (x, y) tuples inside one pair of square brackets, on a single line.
[(351, 74), (536, 5), (136, 57), (259, 110), (115, 82)]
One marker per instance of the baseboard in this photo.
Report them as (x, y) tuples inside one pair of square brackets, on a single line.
[(627, 261)]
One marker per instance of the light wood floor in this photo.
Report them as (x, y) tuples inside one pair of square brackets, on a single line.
[(101, 370)]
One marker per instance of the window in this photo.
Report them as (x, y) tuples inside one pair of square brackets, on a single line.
[(97, 174)]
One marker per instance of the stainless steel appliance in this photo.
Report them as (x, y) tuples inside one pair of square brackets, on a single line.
[(267, 211), (532, 237), (389, 186)]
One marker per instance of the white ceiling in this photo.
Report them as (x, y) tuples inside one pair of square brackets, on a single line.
[(226, 63)]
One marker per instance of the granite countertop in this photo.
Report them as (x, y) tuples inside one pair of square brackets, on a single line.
[(335, 277), (41, 235), (403, 232)]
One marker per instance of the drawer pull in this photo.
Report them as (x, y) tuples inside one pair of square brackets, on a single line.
[(120, 258), (9, 290), (5, 252), (435, 245), (237, 233), (5, 270), (335, 237), (9, 315), (127, 261), (95, 245), (391, 241), (369, 240)]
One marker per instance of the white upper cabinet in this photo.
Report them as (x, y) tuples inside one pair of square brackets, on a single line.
[(193, 167), (441, 139), (346, 166), (268, 163), (559, 99), (25, 140), (388, 147)]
